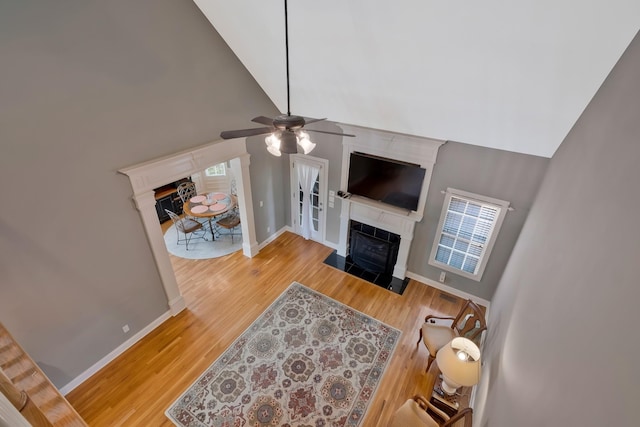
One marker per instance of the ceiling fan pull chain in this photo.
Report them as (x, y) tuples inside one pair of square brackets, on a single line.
[(286, 48), (285, 130)]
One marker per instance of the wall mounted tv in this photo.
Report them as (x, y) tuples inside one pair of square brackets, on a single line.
[(389, 181)]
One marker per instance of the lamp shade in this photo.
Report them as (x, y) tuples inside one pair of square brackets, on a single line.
[(305, 142), (273, 144), (459, 362)]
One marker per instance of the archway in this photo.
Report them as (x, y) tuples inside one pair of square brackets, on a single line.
[(144, 177)]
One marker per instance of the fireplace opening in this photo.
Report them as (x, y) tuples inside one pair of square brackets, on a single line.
[(371, 256), (372, 248)]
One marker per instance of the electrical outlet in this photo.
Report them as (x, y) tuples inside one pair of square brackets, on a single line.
[(125, 328), (268, 229), (261, 203), (443, 276)]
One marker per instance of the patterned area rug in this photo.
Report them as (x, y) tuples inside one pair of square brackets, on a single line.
[(308, 360)]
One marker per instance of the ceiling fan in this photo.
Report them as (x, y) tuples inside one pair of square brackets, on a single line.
[(285, 130)]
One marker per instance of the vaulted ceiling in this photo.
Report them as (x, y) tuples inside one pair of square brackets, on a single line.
[(512, 75)]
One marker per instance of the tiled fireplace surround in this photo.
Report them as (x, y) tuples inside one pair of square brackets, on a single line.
[(406, 148)]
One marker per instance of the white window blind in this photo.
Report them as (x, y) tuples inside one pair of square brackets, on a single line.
[(469, 224)]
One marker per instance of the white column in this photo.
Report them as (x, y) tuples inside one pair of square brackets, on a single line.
[(406, 237), (146, 205), (344, 227), (240, 166)]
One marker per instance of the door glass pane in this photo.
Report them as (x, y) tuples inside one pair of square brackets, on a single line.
[(314, 199), (315, 207), (300, 196)]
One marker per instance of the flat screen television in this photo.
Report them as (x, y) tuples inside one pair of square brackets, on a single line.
[(389, 181)]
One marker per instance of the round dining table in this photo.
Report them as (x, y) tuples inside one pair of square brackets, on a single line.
[(209, 206)]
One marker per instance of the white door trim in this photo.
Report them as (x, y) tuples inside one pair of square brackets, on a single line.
[(323, 165), (144, 177)]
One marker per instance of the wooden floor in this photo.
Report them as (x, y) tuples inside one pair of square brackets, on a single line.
[(224, 296)]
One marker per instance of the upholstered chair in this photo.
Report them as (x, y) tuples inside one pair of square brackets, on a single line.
[(436, 331), (419, 412)]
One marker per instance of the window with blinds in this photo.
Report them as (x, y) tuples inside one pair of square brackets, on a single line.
[(215, 178), (469, 224), (217, 170)]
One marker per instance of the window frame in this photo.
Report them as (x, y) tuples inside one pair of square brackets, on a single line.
[(224, 167), (502, 208)]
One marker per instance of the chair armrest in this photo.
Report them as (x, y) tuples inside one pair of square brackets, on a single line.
[(465, 413), (426, 319), (421, 401), (424, 404)]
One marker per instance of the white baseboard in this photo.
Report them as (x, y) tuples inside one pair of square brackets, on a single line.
[(449, 290), (331, 245), (290, 229), (115, 353), (274, 236)]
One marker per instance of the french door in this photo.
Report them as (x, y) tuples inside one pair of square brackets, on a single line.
[(308, 184)]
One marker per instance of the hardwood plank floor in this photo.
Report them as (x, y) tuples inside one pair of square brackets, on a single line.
[(224, 296)]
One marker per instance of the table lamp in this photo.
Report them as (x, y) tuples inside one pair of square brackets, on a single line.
[(459, 362)]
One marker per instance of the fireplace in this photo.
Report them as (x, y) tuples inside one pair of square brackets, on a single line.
[(379, 215), (373, 249), (372, 256)]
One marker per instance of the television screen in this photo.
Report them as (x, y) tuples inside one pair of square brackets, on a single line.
[(389, 181)]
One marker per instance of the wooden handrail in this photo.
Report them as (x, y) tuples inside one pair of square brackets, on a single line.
[(17, 398)]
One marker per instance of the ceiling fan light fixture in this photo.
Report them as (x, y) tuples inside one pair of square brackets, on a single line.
[(289, 141), (305, 142), (274, 151), (273, 144), (285, 129)]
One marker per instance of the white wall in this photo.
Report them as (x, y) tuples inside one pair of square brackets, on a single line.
[(512, 75), (562, 345)]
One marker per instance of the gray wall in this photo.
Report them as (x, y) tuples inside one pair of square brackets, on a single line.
[(562, 347), (89, 87), (495, 173), (330, 147), (269, 184), (489, 172)]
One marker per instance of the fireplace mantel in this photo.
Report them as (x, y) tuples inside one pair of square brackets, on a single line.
[(406, 148)]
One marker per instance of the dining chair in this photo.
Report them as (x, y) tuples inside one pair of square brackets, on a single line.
[(185, 226), (187, 190), (230, 222)]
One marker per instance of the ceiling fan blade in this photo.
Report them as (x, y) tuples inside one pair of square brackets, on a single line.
[(308, 120), (241, 133), (330, 133), (263, 120)]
